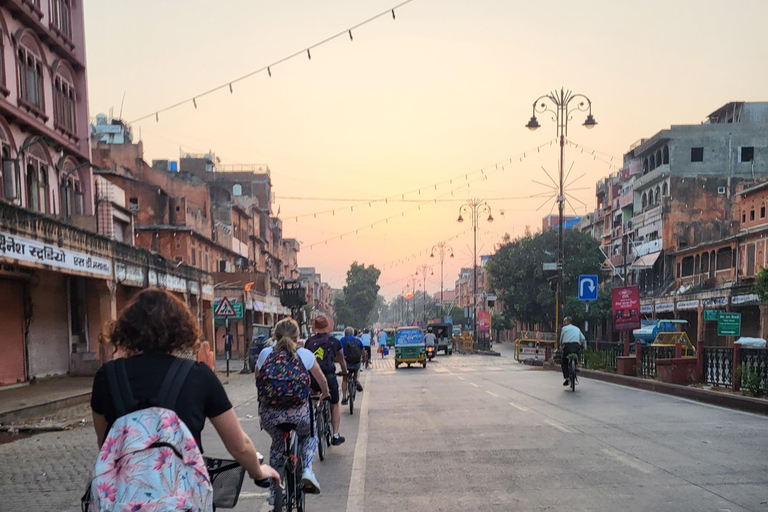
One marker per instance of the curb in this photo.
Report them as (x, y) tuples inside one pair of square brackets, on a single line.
[(44, 408), (740, 403)]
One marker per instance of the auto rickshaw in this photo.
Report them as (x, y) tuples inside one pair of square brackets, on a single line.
[(390, 337), (410, 347)]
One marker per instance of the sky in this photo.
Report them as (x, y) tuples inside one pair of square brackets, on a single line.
[(375, 143)]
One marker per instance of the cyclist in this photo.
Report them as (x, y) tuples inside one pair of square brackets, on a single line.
[(287, 334), (153, 326), (571, 339), (366, 339), (382, 342), (328, 352), (353, 354)]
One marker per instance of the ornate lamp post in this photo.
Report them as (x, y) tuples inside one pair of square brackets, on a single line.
[(561, 105), (441, 249), (422, 271), (475, 207)]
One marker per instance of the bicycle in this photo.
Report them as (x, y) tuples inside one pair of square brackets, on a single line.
[(351, 389), (322, 415), (226, 477), (572, 359), (290, 494)]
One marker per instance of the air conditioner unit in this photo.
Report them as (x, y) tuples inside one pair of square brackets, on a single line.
[(721, 190)]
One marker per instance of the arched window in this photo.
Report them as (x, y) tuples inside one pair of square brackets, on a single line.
[(645, 166), (652, 162), (658, 157), (658, 195), (237, 190), (64, 99), (696, 265), (664, 190), (10, 175), (705, 263), (752, 214), (665, 155), (29, 61), (744, 216), (38, 197), (712, 264), (61, 17), (645, 200)]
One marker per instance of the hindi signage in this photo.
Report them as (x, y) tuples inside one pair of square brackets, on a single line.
[(665, 307), (27, 250), (687, 304), (745, 299), (714, 302), (484, 321), (626, 308), (646, 309), (729, 324), (711, 315)]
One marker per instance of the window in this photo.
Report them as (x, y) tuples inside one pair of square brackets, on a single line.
[(133, 204), (37, 185), (750, 270), (665, 155), (658, 157), (652, 163), (64, 104), (664, 190), (724, 258), (747, 153), (645, 166), (744, 216), (30, 78), (237, 190), (752, 214), (645, 200), (762, 212), (697, 154), (61, 18)]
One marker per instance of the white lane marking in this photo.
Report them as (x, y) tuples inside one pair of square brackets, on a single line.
[(440, 370), (628, 460), (557, 426), (513, 404), (467, 369), (492, 394), (460, 378), (356, 493), (472, 383), (249, 494)]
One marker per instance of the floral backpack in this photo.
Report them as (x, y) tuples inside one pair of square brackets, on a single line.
[(283, 382), (149, 460)]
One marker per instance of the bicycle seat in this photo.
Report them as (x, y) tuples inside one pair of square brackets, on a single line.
[(286, 427)]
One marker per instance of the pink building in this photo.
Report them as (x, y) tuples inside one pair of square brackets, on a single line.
[(44, 108)]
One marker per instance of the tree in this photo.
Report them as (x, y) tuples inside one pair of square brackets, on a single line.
[(515, 273), (359, 296), (761, 285), (499, 322)]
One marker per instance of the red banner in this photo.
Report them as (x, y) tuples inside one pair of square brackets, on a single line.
[(626, 308), (484, 321)]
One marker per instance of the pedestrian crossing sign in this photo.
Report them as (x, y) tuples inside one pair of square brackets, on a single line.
[(225, 308)]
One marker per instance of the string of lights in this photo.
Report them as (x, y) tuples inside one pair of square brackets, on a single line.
[(400, 197), (268, 68), (485, 172), (395, 263), (595, 153)]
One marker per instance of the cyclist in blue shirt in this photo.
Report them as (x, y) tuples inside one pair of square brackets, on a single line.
[(366, 339), (353, 359)]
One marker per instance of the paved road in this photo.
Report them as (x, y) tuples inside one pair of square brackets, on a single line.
[(477, 433)]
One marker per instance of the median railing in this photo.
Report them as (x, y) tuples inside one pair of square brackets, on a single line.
[(649, 355), (718, 366)]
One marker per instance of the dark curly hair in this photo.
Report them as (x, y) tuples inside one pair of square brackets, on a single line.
[(155, 321)]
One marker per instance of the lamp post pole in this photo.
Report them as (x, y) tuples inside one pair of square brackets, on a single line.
[(474, 207), (442, 249), (423, 271), (561, 105)]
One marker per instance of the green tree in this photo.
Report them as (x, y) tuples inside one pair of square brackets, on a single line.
[(515, 272), (761, 285), (359, 296)]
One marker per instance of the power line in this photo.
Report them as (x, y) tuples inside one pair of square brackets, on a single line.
[(306, 51)]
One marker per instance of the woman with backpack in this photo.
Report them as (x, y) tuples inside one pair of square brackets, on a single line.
[(149, 410), (283, 383)]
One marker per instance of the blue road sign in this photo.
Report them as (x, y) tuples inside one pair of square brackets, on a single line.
[(588, 287)]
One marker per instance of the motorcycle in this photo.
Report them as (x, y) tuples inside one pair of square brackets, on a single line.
[(430, 352)]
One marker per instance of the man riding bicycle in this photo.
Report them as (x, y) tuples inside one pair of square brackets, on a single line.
[(354, 355), (571, 341)]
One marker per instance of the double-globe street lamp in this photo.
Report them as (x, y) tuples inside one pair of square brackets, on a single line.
[(561, 105), (442, 249), (474, 207)]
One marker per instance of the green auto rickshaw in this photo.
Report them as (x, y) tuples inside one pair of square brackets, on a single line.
[(390, 337), (410, 347)]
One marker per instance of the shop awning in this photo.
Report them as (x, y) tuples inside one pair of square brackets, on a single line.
[(647, 261)]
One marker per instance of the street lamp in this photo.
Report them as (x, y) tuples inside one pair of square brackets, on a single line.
[(561, 105), (475, 207), (422, 270), (442, 249)]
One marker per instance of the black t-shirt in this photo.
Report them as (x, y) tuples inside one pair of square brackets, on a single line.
[(202, 395), (324, 347)]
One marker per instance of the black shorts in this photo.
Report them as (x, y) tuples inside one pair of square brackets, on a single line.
[(333, 387)]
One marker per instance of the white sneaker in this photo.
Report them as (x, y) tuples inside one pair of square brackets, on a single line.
[(309, 482)]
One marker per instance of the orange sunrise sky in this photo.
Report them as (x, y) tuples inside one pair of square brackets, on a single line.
[(438, 94)]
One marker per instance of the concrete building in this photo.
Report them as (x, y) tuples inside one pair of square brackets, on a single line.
[(319, 294)]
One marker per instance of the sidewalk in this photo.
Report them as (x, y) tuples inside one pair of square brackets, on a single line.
[(43, 397)]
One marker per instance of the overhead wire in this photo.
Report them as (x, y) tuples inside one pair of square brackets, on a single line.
[(268, 68)]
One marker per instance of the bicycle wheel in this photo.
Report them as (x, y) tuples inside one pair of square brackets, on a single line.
[(280, 493), (352, 393), (322, 443), (573, 375)]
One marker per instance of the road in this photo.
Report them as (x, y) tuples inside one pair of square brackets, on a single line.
[(476, 433)]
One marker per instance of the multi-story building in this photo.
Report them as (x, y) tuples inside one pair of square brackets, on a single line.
[(319, 294)]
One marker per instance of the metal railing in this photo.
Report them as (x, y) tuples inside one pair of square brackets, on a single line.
[(612, 350), (718, 366), (756, 360), (649, 355)]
